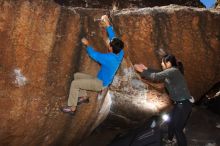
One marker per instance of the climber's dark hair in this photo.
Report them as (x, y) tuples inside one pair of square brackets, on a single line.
[(117, 45), (172, 59)]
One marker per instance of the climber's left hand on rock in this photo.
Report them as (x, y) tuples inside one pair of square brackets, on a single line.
[(105, 20), (85, 41)]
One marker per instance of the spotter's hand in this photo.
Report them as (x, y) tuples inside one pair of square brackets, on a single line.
[(140, 67)]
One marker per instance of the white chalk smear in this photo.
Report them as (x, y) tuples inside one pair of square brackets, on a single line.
[(217, 94), (20, 79), (211, 144), (218, 125)]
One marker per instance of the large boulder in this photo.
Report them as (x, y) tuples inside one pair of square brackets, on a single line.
[(217, 4), (191, 34), (40, 52)]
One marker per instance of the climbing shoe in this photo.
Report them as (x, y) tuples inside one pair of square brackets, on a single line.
[(82, 100), (68, 110)]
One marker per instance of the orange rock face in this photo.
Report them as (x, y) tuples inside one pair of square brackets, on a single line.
[(217, 4), (41, 50), (192, 35)]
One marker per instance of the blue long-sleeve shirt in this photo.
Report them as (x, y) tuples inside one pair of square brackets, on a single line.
[(109, 61)]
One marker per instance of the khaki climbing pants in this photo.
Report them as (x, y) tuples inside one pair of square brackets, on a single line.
[(80, 84)]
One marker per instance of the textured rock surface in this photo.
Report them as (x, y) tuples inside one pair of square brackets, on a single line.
[(119, 4), (217, 5), (192, 35), (40, 51), (130, 95)]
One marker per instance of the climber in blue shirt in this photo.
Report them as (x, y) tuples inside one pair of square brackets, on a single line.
[(109, 62)]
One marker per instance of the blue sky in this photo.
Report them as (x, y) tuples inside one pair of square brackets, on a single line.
[(208, 3)]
